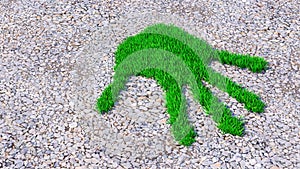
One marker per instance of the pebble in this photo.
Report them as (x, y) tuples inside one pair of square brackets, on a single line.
[(216, 165), (274, 167), (73, 125), (258, 165)]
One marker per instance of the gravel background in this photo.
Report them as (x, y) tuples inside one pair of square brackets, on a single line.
[(58, 56)]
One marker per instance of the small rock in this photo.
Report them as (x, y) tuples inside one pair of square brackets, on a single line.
[(216, 165), (257, 166), (252, 161), (73, 125)]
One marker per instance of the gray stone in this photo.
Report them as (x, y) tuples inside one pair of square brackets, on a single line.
[(252, 161)]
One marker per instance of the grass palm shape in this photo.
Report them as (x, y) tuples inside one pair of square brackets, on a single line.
[(175, 58)]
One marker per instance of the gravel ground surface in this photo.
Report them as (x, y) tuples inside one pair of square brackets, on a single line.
[(57, 58)]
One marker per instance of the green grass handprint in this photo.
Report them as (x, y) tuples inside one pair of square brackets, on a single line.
[(175, 58)]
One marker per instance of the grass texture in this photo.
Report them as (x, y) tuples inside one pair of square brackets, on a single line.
[(195, 54)]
